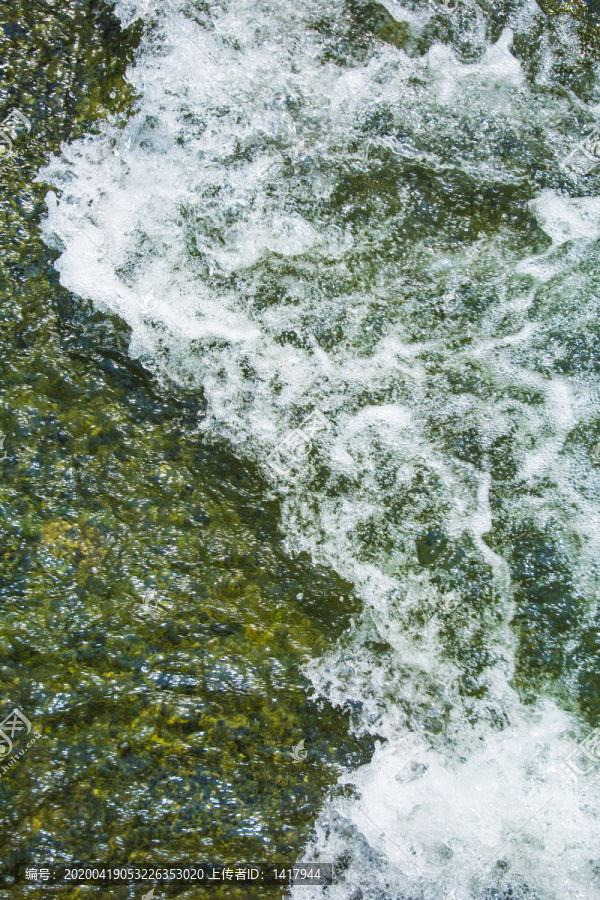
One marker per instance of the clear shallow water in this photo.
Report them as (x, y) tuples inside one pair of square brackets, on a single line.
[(359, 210), (153, 626)]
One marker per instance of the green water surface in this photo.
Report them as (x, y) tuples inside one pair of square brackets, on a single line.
[(166, 731), (152, 626)]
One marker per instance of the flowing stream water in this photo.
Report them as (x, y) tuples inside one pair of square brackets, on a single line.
[(349, 228)]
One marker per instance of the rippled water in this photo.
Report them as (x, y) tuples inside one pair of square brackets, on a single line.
[(330, 404), (153, 627)]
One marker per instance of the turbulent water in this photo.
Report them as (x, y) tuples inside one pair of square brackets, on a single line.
[(350, 226)]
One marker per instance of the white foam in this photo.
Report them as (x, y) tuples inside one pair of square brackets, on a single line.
[(568, 218)]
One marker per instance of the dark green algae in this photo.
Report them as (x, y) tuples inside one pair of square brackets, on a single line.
[(165, 736)]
